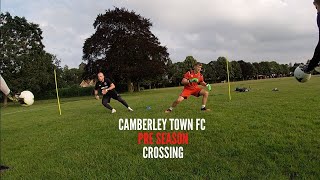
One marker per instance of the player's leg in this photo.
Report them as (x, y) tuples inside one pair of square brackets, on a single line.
[(6, 90), (175, 103), (178, 101), (314, 62), (106, 101), (122, 101), (205, 95)]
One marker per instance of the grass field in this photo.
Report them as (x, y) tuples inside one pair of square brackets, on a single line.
[(259, 134)]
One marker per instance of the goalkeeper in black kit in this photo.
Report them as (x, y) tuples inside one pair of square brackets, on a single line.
[(107, 88)]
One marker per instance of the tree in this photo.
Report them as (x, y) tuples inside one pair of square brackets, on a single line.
[(211, 71), (124, 46), (70, 77), (178, 69), (257, 67), (284, 69), (235, 71), (24, 63), (247, 69), (265, 68), (208, 73), (221, 68), (275, 68), (189, 63)]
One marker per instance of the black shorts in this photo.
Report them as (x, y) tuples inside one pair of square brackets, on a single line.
[(108, 97)]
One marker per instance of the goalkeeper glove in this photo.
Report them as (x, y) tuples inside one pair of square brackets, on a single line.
[(194, 80), (209, 87)]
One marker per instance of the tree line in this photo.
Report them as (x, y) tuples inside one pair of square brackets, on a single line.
[(216, 70), (122, 46), (24, 63)]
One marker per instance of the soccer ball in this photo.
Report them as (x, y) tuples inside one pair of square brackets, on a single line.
[(300, 75), (26, 98)]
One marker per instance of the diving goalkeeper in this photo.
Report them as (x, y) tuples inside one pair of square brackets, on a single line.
[(190, 81)]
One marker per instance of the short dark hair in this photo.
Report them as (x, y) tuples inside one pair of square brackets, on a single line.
[(198, 64), (317, 2)]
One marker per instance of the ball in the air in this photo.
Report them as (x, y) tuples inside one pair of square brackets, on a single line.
[(300, 75)]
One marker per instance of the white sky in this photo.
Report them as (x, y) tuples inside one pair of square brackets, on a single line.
[(250, 30)]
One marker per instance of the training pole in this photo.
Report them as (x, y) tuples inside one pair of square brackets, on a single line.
[(228, 79), (57, 92)]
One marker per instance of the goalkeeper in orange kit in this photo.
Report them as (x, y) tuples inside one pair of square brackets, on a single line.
[(190, 81)]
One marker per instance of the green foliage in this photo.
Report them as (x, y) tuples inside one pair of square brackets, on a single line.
[(178, 70), (175, 71), (71, 91), (235, 71), (124, 46), (216, 71), (70, 77), (24, 63), (189, 62), (247, 69)]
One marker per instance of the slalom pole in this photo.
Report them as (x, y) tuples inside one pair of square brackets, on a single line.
[(57, 92), (228, 79)]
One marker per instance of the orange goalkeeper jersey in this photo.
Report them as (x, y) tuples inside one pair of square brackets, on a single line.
[(190, 75)]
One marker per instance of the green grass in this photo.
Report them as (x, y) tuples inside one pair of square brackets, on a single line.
[(260, 134)]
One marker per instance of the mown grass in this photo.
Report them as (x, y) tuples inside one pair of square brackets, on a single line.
[(260, 134)]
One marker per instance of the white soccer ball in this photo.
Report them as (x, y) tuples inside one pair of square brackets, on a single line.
[(26, 98), (300, 75)]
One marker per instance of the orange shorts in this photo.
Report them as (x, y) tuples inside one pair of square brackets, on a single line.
[(188, 92)]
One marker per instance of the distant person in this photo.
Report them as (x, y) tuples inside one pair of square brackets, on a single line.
[(190, 81), (107, 88), (314, 62)]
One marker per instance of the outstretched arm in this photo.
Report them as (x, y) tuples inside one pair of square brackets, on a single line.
[(203, 83), (206, 84), (112, 86), (185, 81)]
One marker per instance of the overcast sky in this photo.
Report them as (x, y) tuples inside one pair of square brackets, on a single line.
[(250, 30)]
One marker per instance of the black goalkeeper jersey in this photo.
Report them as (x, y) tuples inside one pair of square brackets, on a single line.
[(104, 85)]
